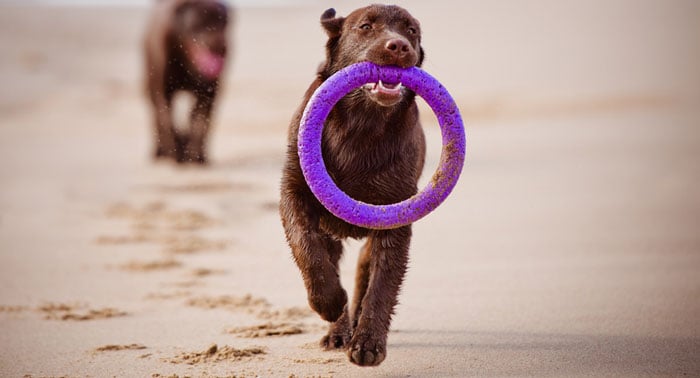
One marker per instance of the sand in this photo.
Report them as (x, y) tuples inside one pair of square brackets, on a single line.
[(570, 246)]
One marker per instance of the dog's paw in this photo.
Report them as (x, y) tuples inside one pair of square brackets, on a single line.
[(335, 341), (339, 333), (329, 304), (193, 155), (194, 159), (365, 350), (164, 153)]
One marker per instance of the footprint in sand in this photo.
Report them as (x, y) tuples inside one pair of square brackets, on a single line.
[(177, 294), (150, 266), (280, 322), (174, 230), (204, 187), (285, 314), (247, 303), (205, 272), (5, 309), (321, 361), (135, 238), (116, 348), (267, 330), (77, 312), (66, 312), (156, 223), (172, 244), (191, 244), (217, 354), (157, 215)]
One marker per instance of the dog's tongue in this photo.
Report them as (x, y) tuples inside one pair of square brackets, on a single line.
[(209, 64), (390, 89)]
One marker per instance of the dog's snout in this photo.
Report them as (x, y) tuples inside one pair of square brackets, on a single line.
[(219, 49), (399, 52), (397, 46), (216, 43)]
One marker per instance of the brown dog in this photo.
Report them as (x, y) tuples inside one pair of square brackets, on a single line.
[(185, 50), (374, 149)]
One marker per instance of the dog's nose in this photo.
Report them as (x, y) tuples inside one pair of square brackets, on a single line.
[(400, 50), (397, 46), (217, 44)]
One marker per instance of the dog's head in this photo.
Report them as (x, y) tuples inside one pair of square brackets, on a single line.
[(201, 30), (381, 34)]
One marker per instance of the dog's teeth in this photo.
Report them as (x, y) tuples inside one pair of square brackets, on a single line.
[(390, 88), (372, 87)]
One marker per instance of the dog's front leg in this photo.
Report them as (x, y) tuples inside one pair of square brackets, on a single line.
[(315, 253), (317, 256), (200, 120), (313, 257), (166, 145), (388, 258), (164, 129)]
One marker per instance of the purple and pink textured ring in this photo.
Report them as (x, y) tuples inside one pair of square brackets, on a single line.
[(381, 216)]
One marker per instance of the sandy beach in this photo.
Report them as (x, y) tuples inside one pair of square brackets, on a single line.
[(570, 246)]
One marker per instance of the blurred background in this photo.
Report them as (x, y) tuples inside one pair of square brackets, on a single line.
[(570, 246)]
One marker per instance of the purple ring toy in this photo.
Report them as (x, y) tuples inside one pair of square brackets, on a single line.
[(381, 216)]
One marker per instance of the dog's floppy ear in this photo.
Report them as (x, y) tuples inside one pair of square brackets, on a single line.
[(332, 24)]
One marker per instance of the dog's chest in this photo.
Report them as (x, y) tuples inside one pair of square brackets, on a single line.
[(372, 170)]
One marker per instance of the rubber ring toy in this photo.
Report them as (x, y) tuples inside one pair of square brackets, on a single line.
[(363, 214)]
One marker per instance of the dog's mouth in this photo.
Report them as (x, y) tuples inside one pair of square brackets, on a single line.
[(385, 94), (208, 63)]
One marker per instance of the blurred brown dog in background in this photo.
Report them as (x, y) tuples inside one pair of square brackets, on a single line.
[(186, 50)]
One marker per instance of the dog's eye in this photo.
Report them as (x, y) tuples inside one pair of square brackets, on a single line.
[(366, 26), (412, 31)]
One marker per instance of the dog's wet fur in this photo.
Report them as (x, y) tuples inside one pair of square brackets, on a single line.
[(185, 50), (374, 149)]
